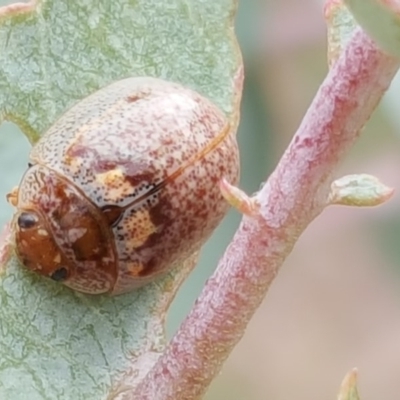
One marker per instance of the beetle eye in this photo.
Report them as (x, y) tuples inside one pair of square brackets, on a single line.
[(59, 274), (27, 220)]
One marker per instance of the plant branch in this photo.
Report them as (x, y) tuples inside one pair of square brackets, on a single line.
[(294, 195)]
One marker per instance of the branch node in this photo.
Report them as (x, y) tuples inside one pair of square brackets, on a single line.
[(238, 199), (360, 190)]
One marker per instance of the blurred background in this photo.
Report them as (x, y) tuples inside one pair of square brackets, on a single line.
[(336, 301)]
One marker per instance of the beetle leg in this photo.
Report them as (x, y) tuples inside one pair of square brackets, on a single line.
[(12, 197)]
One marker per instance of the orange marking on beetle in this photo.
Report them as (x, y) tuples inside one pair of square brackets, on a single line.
[(140, 226), (114, 176), (135, 268)]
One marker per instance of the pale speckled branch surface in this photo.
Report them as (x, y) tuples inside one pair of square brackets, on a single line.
[(293, 196)]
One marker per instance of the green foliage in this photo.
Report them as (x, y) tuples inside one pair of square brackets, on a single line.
[(380, 19), (61, 51), (55, 343)]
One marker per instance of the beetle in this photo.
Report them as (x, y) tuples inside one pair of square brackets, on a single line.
[(124, 186)]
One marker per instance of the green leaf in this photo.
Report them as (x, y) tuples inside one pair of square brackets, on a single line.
[(341, 25), (381, 20), (348, 389), (359, 190), (57, 52), (55, 343)]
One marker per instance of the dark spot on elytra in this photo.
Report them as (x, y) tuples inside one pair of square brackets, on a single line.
[(104, 165), (78, 150), (99, 164), (138, 177), (133, 98), (137, 96)]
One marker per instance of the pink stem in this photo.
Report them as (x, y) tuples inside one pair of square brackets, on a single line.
[(293, 196)]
